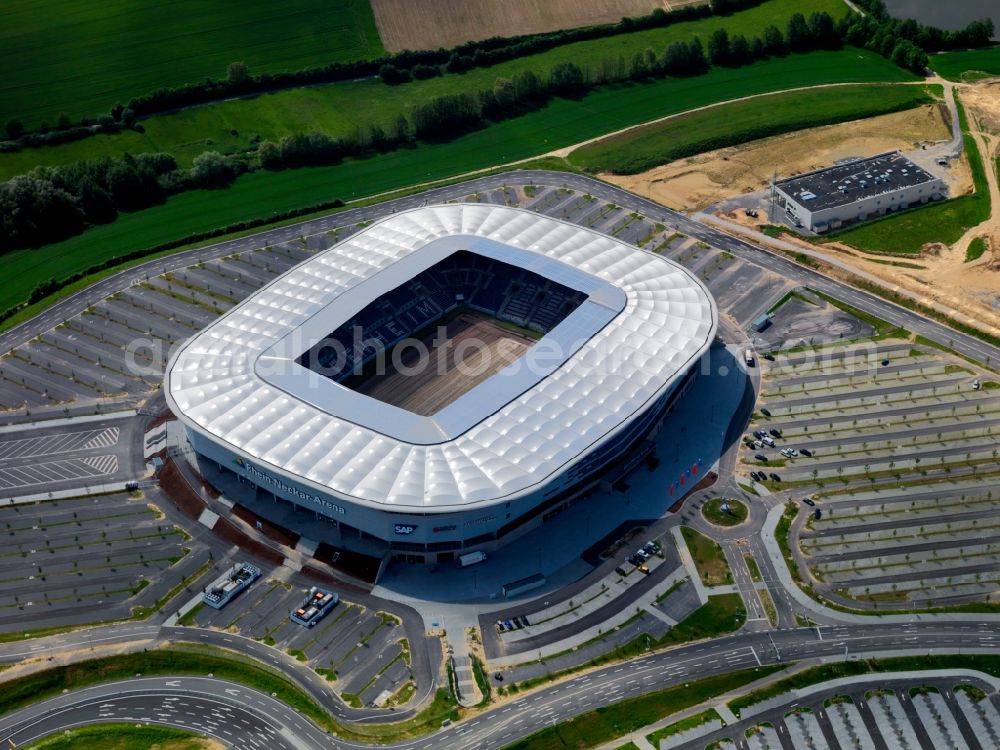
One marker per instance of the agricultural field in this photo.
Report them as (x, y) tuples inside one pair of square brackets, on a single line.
[(52, 63), (561, 123), (339, 109), (429, 24), (738, 122), (967, 65)]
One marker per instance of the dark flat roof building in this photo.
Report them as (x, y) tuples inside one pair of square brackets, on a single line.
[(856, 190)]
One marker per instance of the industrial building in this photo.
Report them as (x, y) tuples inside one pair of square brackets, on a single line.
[(855, 191), (281, 392)]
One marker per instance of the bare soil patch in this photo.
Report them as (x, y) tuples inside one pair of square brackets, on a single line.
[(696, 182), (429, 24)]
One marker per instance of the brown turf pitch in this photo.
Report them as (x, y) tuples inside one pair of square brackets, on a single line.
[(475, 349)]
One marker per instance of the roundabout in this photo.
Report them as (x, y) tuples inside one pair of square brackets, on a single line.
[(720, 511)]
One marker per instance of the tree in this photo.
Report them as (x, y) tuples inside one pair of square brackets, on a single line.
[(63, 122), (823, 31), (637, 69), (718, 47), (739, 51), (504, 93), (774, 42), (269, 155), (392, 75), (237, 73), (14, 129), (797, 34), (566, 79)]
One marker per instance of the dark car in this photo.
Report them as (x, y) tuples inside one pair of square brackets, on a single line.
[(885, 362), (817, 514), (776, 432), (635, 560), (620, 571), (759, 433), (775, 477), (809, 501), (765, 412), (759, 476), (760, 457), (805, 452), (768, 357)]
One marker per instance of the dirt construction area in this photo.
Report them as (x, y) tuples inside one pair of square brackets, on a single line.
[(696, 182), (429, 24)]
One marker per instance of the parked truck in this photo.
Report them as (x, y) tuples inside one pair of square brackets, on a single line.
[(749, 357), (471, 558)]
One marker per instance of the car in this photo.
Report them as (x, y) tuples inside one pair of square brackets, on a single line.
[(642, 553), (885, 362), (649, 548), (805, 452), (620, 571), (765, 412), (510, 625), (759, 433), (775, 477), (768, 357), (768, 441), (760, 457), (758, 444), (976, 385), (520, 622), (776, 432), (524, 619), (809, 501), (498, 677), (501, 627), (786, 452), (635, 560), (755, 475), (817, 514), (644, 569)]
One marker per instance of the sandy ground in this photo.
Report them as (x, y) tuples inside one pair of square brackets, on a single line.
[(694, 183), (942, 273), (429, 24)]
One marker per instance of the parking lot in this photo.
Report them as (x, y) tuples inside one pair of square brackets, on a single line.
[(86, 559), (45, 459), (364, 652), (903, 467), (898, 715)]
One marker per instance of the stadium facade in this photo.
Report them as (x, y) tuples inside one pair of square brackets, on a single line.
[(270, 390)]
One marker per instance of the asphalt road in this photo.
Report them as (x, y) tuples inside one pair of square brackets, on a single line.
[(506, 723)]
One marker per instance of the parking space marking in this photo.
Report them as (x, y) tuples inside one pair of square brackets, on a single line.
[(55, 471), (48, 445)]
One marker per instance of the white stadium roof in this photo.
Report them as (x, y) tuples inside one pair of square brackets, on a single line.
[(237, 383)]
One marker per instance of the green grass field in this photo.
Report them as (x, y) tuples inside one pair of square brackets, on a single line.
[(562, 123), (82, 57), (946, 221), (968, 65), (338, 109), (120, 737), (739, 122)]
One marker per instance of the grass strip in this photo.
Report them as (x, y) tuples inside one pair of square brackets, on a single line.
[(643, 148)]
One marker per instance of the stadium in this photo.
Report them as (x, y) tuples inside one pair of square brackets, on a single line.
[(446, 378)]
